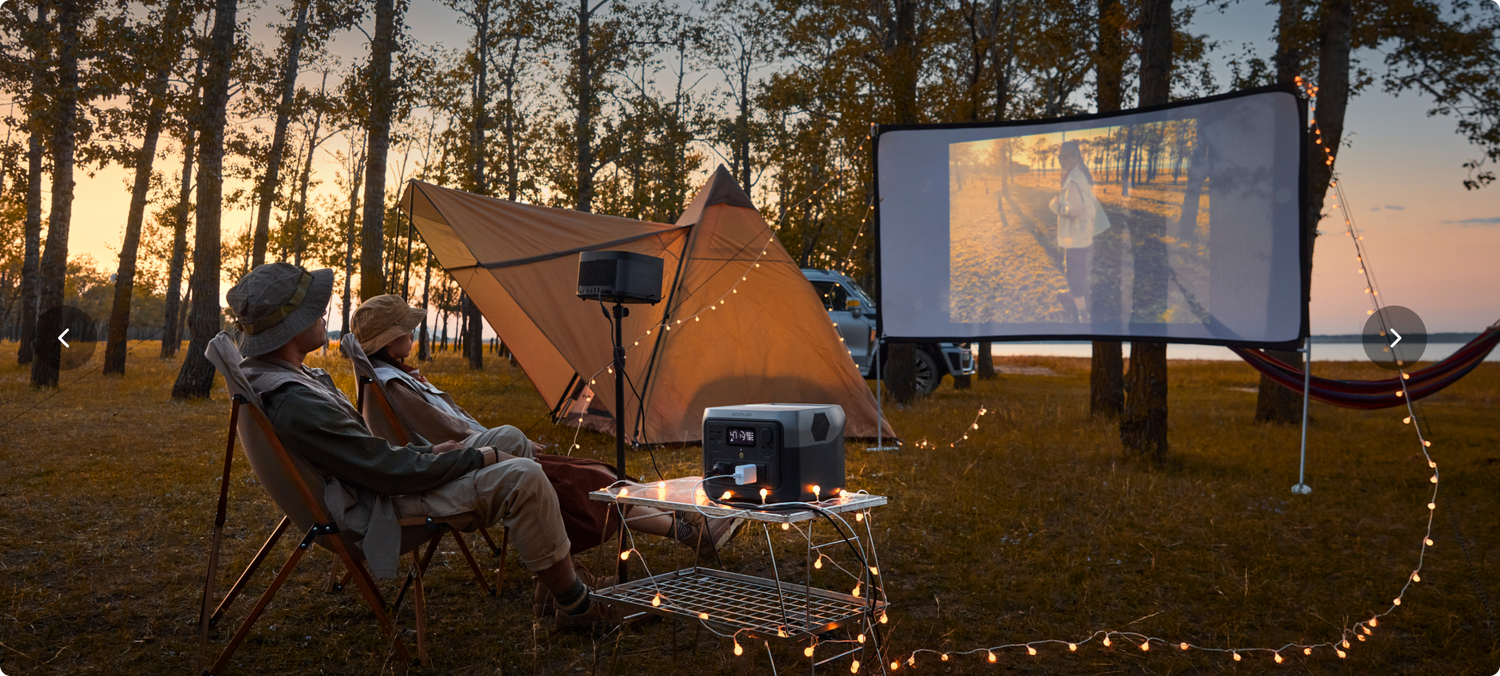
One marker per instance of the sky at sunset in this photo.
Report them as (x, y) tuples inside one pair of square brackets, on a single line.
[(1432, 244)]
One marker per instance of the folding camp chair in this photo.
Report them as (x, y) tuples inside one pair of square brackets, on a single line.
[(288, 480), (386, 423)]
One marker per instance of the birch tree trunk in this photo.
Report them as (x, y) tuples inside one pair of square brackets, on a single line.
[(170, 338), (54, 265), (119, 315), (377, 145), (352, 234), (196, 378), (265, 193), (31, 258)]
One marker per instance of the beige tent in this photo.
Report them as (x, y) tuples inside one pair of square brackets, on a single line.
[(738, 323)]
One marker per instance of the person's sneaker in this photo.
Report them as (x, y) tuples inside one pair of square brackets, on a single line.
[(599, 615), (690, 532), (542, 602)]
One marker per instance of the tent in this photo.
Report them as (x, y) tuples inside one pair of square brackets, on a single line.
[(738, 323)]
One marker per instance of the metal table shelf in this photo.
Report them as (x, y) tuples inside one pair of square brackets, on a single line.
[(684, 495), (759, 607)]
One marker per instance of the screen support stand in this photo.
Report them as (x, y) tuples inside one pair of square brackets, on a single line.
[(1302, 488), (620, 313), (880, 403)]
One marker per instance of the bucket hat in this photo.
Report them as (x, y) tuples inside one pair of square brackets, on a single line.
[(382, 319), (275, 302)]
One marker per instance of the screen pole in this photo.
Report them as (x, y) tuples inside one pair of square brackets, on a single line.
[(1302, 488), (879, 402)]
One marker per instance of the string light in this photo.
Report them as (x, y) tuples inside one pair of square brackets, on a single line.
[(1143, 642)]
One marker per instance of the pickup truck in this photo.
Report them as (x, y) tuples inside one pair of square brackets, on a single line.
[(854, 312)]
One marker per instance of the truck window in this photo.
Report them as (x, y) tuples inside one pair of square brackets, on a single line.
[(832, 294)]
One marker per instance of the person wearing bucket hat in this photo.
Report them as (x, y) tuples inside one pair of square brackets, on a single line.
[(383, 326), (280, 312)]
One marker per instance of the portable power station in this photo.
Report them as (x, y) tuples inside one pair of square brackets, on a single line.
[(786, 449)]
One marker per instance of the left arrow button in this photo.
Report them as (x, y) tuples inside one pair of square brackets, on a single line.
[(60, 337)]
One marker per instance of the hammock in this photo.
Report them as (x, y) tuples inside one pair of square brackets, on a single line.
[(1373, 394)]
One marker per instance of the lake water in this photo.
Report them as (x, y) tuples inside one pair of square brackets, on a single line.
[(1320, 351)]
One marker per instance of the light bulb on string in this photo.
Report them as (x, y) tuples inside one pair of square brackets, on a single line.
[(1030, 650)]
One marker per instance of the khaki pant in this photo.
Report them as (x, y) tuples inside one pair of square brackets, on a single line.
[(505, 439), (515, 492)]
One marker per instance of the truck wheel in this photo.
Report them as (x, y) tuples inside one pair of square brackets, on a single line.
[(928, 375)]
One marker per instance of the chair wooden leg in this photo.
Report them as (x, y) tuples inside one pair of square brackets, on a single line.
[(432, 546), (419, 598), (473, 565), (500, 554), (333, 578), (260, 606), (260, 557), (367, 588)]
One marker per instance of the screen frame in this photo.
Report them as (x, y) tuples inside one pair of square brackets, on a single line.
[(1303, 248)]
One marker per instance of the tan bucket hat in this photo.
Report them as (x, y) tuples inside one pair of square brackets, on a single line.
[(275, 302), (382, 319)]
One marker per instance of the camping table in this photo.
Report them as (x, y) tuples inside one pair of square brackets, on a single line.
[(731, 603)]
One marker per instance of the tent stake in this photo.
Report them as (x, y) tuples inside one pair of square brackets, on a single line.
[(1302, 488)]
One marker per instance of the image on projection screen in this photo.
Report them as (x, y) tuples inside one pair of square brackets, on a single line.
[(1177, 224)]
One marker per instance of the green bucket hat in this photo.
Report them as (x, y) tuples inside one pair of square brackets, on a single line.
[(275, 302)]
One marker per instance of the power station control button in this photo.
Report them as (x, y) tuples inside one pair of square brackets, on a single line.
[(765, 435)]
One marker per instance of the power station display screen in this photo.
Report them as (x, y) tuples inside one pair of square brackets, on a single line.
[(741, 436)]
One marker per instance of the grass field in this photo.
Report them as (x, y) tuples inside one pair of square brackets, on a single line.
[(1036, 527)]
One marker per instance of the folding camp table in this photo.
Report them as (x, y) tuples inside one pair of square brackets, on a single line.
[(744, 605)]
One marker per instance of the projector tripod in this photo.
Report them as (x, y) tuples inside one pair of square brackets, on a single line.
[(617, 319)]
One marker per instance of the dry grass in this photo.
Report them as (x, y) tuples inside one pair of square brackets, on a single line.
[(1035, 528)]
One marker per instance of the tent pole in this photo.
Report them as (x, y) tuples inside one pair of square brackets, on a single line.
[(879, 403), (1302, 488)]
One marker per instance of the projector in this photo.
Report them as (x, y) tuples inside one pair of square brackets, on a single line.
[(619, 277), (785, 449)]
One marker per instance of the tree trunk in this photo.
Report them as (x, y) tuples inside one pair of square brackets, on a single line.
[(377, 145), (54, 266), (349, 231), (584, 200), (898, 370), (170, 338), (424, 348), (36, 122), (986, 366), (474, 341), (1107, 363), (196, 378), (903, 60), (1274, 403), (1143, 423), (119, 316), (265, 193), (301, 219)]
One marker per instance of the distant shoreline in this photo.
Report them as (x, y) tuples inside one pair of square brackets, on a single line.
[(1431, 338)]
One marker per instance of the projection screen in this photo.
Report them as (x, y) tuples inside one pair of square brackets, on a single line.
[(1177, 223)]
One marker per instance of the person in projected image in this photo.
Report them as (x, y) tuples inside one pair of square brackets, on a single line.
[(1080, 217), (383, 325)]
